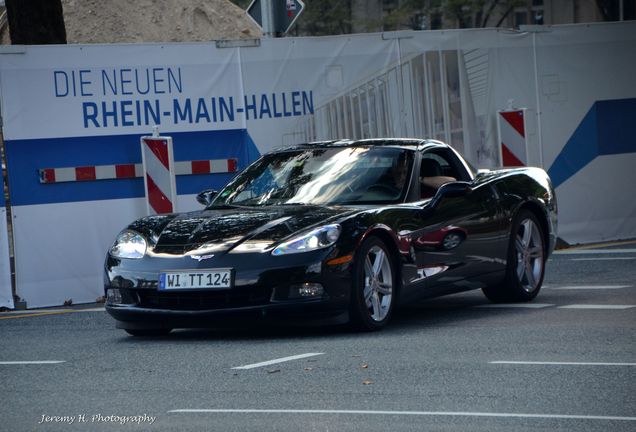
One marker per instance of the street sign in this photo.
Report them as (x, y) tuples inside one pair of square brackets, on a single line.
[(283, 13), (289, 15), (254, 12)]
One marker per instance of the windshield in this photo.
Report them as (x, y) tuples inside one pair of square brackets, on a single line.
[(353, 175)]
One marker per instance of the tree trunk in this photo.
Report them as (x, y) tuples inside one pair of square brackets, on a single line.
[(34, 22)]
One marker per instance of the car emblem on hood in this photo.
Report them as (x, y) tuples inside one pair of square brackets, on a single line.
[(201, 257)]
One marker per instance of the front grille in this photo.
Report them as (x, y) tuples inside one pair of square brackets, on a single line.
[(204, 300)]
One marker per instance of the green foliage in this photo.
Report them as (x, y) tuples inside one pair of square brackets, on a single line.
[(329, 17), (325, 17)]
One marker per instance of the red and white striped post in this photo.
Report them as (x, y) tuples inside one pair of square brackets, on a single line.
[(513, 142), (159, 174)]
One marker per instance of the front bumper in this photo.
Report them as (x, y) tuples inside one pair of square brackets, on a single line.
[(315, 311), (260, 291)]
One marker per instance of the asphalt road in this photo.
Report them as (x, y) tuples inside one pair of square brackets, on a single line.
[(447, 364)]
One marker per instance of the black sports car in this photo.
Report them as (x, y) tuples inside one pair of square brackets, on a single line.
[(337, 231)]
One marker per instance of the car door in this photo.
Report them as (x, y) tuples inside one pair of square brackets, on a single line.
[(458, 244)]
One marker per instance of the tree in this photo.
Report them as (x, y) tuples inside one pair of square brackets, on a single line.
[(462, 13), (325, 17), (34, 22), (477, 13)]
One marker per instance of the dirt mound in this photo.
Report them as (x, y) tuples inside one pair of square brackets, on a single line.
[(125, 21)]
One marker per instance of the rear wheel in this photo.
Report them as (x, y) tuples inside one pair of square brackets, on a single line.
[(373, 290), (526, 262), (149, 332)]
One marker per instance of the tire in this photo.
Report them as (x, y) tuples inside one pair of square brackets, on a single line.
[(374, 286), (148, 332), (525, 264)]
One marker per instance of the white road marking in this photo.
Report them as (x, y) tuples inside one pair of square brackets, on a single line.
[(405, 413), (589, 287), (516, 305), (593, 306), (279, 360), (593, 251), (32, 362), (604, 259), (561, 363)]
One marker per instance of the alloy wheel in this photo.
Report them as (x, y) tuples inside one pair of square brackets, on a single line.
[(378, 283), (529, 248)]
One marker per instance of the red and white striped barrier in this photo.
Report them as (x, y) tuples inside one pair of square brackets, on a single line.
[(159, 179), (127, 171), (512, 137), (214, 166), (88, 173)]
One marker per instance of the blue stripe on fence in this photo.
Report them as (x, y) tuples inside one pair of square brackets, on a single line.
[(26, 157), (608, 128), (2, 202)]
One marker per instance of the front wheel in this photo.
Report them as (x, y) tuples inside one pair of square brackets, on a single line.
[(526, 262), (374, 286)]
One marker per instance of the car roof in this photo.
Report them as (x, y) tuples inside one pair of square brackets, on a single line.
[(410, 143)]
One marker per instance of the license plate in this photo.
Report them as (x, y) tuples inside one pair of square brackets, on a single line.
[(184, 280)]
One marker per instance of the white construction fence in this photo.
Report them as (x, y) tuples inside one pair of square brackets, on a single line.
[(78, 109)]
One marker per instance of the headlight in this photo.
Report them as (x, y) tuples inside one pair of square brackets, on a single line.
[(129, 244), (316, 239)]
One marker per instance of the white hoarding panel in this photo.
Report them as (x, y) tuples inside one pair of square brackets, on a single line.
[(598, 203), (102, 90), (80, 111), (62, 247), (587, 99), (321, 89), (460, 79), (69, 108), (6, 297)]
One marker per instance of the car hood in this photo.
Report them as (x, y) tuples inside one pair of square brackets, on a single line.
[(220, 230)]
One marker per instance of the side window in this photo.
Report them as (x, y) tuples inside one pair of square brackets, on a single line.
[(434, 165), (439, 166)]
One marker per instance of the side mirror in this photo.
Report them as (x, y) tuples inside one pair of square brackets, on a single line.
[(205, 197), (454, 189), (451, 190)]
